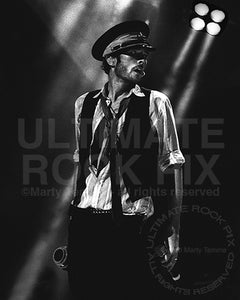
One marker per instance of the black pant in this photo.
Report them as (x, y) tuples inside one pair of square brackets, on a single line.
[(106, 261)]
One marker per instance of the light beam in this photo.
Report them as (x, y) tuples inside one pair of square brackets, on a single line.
[(28, 276), (178, 63), (188, 92)]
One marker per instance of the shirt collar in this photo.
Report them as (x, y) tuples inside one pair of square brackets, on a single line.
[(136, 90)]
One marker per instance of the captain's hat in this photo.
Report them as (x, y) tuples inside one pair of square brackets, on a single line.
[(122, 36)]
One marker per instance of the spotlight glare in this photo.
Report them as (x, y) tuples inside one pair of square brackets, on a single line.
[(213, 28), (197, 23), (217, 15), (201, 9)]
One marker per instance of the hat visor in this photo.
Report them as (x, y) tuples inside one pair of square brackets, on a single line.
[(137, 45)]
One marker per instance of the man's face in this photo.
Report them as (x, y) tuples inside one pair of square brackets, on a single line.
[(131, 65)]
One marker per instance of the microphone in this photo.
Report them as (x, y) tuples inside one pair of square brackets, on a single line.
[(60, 257)]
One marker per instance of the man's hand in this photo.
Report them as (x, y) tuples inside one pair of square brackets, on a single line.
[(171, 257)]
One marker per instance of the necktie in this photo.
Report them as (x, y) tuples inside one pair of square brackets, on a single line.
[(114, 175), (100, 148), (104, 149)]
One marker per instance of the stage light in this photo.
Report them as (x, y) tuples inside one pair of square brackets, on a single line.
[(217, 15), (201, 9), (208, 17), (213, 28), (197, 23)]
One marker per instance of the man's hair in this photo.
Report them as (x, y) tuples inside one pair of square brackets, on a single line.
[(105, 66)]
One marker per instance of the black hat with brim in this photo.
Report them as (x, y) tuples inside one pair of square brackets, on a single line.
[(136, 26)]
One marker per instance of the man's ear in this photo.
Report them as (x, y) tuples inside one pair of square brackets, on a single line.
[(112, 61)]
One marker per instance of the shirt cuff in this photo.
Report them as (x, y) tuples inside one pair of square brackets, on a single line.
[(174, 159)]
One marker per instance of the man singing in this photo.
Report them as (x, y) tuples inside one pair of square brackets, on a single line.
[(126, 136)]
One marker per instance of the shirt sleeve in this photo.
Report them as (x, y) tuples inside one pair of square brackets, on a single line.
[(77, 113), (163, 120)]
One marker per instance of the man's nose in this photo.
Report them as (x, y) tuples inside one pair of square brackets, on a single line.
[(142, 62)]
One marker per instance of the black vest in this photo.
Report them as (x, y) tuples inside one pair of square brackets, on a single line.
[(138, 148)]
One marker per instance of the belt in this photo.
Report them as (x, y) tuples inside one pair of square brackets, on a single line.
[(96, 211), (88, 211), (99, 211)]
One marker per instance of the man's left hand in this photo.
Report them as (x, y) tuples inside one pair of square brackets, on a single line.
[(171, 257)]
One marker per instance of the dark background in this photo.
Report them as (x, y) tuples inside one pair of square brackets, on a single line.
[(40, 82)]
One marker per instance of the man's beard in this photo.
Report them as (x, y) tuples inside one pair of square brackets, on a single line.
[(123, 73)]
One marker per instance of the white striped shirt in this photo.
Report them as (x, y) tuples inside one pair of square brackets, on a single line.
[(97, 193)]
